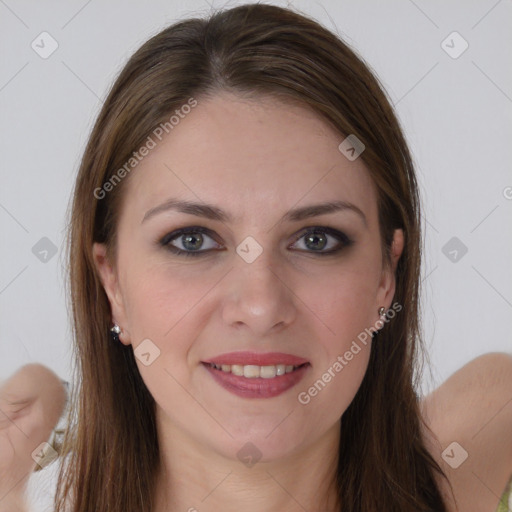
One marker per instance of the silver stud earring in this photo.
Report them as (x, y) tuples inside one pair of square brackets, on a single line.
[(115, 331), (381, 311)]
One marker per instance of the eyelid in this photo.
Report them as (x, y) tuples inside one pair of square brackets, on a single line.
[(343, 239), (176, 234), (187, 229)]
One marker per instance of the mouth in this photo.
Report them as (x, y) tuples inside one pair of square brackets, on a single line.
[(255, 381)]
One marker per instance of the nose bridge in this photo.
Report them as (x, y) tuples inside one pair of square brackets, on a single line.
[(258, 295)]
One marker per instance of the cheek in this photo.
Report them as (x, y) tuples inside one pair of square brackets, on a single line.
[(344, 301), (345, 304), (170, 306), (335, 381), (163, 308), (160, 298)]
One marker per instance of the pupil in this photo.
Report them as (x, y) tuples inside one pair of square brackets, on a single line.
[(315, 238), (188, 241)]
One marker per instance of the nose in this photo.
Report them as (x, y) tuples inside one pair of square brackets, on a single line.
[(258, 298)]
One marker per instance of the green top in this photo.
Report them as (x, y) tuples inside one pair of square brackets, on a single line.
[(505, 504)]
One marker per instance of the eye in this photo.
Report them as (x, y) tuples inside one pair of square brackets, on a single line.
[(190, 240), (193, 241), (317, 239)]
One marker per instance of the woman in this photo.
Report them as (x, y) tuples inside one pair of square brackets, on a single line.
[(246, 225)]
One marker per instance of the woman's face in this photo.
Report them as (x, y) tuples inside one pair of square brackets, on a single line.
[(252, 280)]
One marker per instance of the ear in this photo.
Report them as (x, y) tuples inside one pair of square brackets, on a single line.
[(387, 285), (110, 281)]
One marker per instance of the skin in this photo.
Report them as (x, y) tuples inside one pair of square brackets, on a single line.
[(269, 158), (31, 403), (474, 408)]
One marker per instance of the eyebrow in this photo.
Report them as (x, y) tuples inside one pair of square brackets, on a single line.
[(212, 212)]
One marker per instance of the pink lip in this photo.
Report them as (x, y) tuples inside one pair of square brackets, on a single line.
[(259, 359), (257, 388)]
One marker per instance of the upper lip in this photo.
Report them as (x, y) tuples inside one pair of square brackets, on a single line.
[(259, 359)]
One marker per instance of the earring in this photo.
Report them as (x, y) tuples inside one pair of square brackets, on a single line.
[(115, 331), (381, 311)]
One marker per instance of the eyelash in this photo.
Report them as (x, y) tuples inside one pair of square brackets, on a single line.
[(344, 240)]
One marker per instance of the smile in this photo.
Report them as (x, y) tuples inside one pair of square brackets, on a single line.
[(252, 371), (253, 381)]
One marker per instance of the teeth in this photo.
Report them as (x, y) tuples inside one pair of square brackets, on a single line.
[(252, 371), (237, 369)]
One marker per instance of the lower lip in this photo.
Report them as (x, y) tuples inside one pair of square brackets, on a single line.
[(258, 387)]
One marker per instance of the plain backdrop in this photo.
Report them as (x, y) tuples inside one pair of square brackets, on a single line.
[(455, 107)]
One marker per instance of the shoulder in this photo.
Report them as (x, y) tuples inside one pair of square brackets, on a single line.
[(470, 417)]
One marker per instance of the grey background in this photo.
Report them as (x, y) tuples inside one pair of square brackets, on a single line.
[(456, 113)]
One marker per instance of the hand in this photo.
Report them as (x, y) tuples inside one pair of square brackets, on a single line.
[(31, 403)]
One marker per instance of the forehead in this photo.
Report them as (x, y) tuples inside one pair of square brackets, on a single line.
[(250, 156)]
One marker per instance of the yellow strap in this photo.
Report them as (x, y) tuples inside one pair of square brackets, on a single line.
[(505, 504)]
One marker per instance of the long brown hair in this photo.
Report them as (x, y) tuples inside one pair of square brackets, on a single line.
[(252, 50)]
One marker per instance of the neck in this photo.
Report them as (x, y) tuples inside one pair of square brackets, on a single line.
[(195, 478)]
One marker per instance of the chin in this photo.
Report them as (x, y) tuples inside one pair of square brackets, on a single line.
[(266, 441)]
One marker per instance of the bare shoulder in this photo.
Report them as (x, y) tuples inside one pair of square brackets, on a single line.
[(470, 416)]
